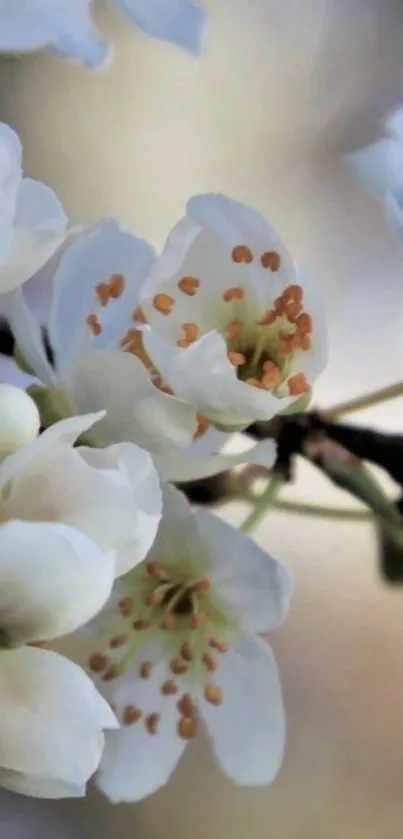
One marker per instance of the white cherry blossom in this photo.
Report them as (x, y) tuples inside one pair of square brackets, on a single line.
[(178, 646), (66, 26), (234, 327), (19, 419), (33, 222)]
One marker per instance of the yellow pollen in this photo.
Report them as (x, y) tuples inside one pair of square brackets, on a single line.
[(233, 293), (213, 694), (169, 688), (234, 330), (293, 292), (140, 624), (187, 728), (126, 606), (131, 715), (146, 668), (112, 673), (298, 384), (186, 651), (189, 285), (217, 644), (169, 621), (157, 570), (241, 253), (152, 722), (98, 662), (186, 706), (163, 303), (94, 324), (102, 292), (210, 663), (270, 259), (236, 358), (178, 666), (116, 285), (118, 641), (139, 315)]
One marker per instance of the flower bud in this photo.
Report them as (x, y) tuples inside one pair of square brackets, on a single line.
[(19, 419)]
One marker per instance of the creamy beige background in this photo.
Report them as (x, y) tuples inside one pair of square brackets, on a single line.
[(284, 88)]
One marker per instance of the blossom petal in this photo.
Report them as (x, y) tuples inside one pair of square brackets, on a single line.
[(90, 260), (136, 410), (53, 717), (248, 730), (136, 763), (181, 22), (10, 179), (372, 164), (189, 466), (37, 786), (53, 579), (66, 26), (143, 490), (178, 533), (215, 391), (256, 587), (28, 335)]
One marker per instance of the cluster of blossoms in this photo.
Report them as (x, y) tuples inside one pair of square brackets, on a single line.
[(139, 369)]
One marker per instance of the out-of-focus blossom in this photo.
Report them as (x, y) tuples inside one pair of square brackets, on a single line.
[(66, 26), (19, 419)]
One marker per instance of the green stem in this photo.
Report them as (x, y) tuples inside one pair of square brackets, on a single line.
[(263, 503), (320, 511), (366, 401)]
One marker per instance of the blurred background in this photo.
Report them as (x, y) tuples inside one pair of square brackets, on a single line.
[(284, 89)]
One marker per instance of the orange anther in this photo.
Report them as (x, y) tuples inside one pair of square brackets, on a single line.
[(131, 715), (217, 644), (187, 728), (191, 331), (280, 305), (152, 722), (126, 606), (267, 318), (178, 666), (186, 706), (241, 253), (210, 662), (298, 384), (169, 621), (234, 330), (189, 285), (157, 570), (293, 292), (270, 259), (146, 668), (94, 324), (198, 619), (304, 324), (117, 284), (169, 688), (186, 651), (163, 303), (234, 293), (155, 598), (203, 424), (213, 694), (183, 343), (98, 662), (102, 292), (236, 358), (293, 310), (111, 673), (140, 625), (118, 641), (253, 382), (139, 315)]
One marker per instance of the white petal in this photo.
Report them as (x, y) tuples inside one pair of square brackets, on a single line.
[(40, 225), (135, 763), (181, 22), (189, 466), (10, 179), (178, 533), (66, 431), (215, 390), (13, 375), (90, 260), (371, 164), (52, 717), (27, 334), (53, 579), (256, 587), (136, 410), (37, 786), (248, 730), (65, 25), (394, 205), (142, 488), (19, 419)]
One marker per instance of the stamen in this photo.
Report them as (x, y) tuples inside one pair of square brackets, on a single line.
[(272, 375), (152, 722), (217, 644), (169, 688), (293, 310), (169, 621), (139, 315), (234, 293), (118, 641), (210, 662), (178, 666), (298, 384), (157, 570), (113, 672), (241, 253), (131, 715), (187, 728), (186, 651), (267, 318), (213, 694), (189, 285), (293, 292), (198, 619), (163, 303), (141, 624), (280, 305), (156, 597), (94, 324), (270, 259), (117, 284), (191, 331), (146, 669), (234, 330), (236, 358), (98, 662), (203, 424), (304, 324), (126, 606), (201, 585), (186, 705), (253, 382), (102, 292)]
